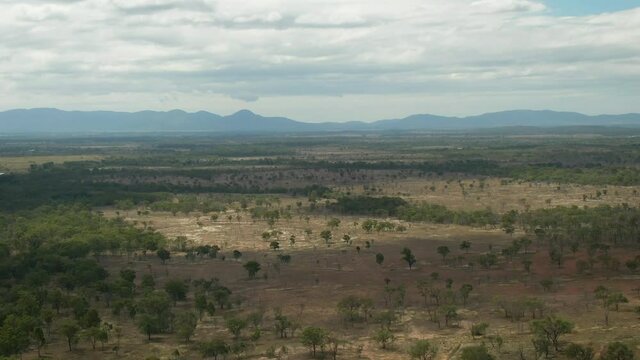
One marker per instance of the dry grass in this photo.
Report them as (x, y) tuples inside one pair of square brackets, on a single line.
[(320, 275), (22, 163), (468, 194)]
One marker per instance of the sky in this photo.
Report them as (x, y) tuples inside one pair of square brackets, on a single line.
[(322, 60)]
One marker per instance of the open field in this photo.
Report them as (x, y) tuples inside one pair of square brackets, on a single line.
[(23, 163)]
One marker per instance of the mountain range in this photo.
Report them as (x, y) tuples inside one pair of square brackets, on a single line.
[(46, 120)]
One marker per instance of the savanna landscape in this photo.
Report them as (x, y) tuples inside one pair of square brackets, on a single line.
[(461, 245)]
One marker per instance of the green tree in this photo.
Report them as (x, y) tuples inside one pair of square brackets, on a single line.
[(450, 314), (443, 251), (465, 291), (333, 223), (423, 350), (465, 246), (70, 330), (177, 290), (252, 268), (379, 258), (153, 313), (476, 352), (551, 328), (408, 256), (164, 255), (235, 326), (37, 335), (201, 303), (214, 348), (148, 282), (186, 324), (15, 334), (479, 329), (578, 352), (313, 338), (326, 235), (617, 351), (384, 337)]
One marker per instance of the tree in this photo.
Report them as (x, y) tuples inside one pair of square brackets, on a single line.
[(177, 290), (384, 337), (465, 246), (148, 282), (556, 256), (282, 324), (408, 256), (334, 344), (465, 291), (326, 235), (252, 268), (551, 328), (235, 326), (237, 254), (578, 352), (70, 329), (488, 260), (615, 299), (333, 223), (609, 299), (479, 329), (154, 313), (354, 308), (617, 351), (214, 348), (423, 350), (238, 348), (443, 251), (148, 324), (450, 313), (477, 352), (525, 242), (186, 324), (313, 337), (546, 284), (274, 245), (37, 335), (164, 255), (15, 334), (379, 258)]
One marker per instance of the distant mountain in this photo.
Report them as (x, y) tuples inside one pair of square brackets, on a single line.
[(245, 121)]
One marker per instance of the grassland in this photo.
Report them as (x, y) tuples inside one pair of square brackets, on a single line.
[(196, 192)]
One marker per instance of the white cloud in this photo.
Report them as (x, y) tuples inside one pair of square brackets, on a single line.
[(508, 6), (217, 54)]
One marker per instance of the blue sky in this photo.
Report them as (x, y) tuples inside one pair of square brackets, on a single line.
[(321, 60), (589, 7)]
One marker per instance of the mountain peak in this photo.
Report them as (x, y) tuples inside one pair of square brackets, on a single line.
[(243, 113)]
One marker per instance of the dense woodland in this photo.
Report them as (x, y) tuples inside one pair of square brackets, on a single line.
[(74, 281)]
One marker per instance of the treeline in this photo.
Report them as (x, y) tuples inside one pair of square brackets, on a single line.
[(50, 184), (368, 205), (575, 226), (401, 209)]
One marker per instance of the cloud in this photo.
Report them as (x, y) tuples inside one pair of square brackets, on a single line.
[(85, 54), (508, 6)]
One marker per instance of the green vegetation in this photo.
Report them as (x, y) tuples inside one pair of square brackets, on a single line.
[(202, 247)]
